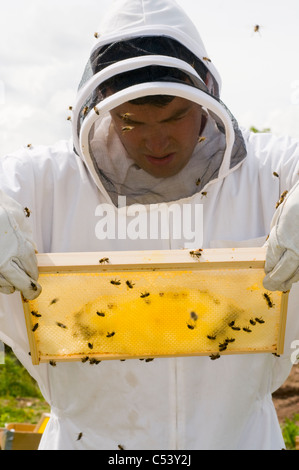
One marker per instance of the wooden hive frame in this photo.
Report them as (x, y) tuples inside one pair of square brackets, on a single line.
[(249, 260)]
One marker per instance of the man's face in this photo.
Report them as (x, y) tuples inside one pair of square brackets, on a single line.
[(160, 140)]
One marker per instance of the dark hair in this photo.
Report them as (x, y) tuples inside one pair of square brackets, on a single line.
[(155, 100)]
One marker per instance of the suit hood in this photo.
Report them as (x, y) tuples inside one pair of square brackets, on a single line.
[(144, 48)]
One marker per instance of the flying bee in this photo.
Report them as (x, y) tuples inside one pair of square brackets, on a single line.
[(35, 327), (115, 282), (61, 325), (52, 363), (204, 194), (282, 198), (260, 320), (275, 174), (54, 301), (247, 329), (268, 300), (256, 28), (109, 335), (215, 356), (70, 108), (96, 110), (104, 261), (85, 111), (145, 294), (80, 435), (201, 139), (27, 212), (69, 118), (196, 253), (206, 59), (197, 182), (130, 284), (29, 146), (96, 35), (120, 447), (127, 129)]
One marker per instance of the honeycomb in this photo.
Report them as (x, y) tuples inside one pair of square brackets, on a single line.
[(148, 314)]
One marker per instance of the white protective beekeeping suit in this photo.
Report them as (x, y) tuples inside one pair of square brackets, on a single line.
[(173, 403)]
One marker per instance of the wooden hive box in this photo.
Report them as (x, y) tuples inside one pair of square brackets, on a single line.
[(148, 304)]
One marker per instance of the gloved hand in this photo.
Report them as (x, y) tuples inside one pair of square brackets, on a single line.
[(18, 264), (282, 257)]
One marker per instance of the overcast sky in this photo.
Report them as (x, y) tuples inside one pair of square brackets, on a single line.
[(44, 46)]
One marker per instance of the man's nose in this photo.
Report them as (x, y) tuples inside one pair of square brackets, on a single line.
[(157, 142)]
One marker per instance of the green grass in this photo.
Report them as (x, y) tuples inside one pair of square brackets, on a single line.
[(290, 429), (20, 398)]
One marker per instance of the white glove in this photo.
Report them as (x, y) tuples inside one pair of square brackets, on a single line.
[(18, 263), (282, 257)]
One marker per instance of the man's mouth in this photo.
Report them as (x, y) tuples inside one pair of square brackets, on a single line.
[(160, 161)]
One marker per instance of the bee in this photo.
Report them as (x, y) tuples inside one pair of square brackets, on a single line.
[(268, 300), (197, 182), (27, 212), (85, 111), (215, 356), (230, 340), (201, 139), (29, 146), (231, 323), (204, 194), (33, 286), (109, 335), (282, 198), (94, 361), (260, 320), (80, 435), (252, 321), (35, 314), (70, 108), (69, 118), (52, 363), (194, 316), (145, 294), (104, 261), (127, 129), (130, 284), (96, 110), (90, 345), (196, 253), (212, 338), (100, 314), (149, 359), (54, 301), (206, 59), (275, 174), (235, 328), (115, 282), (247, 329), (84, 359), (126, 116), (256, 28), (222, 346), (35, 327), (61, 325), (120, 447), (96, 35), (191, 327)]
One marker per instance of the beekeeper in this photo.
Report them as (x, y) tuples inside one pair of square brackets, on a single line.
[(149, 128)]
